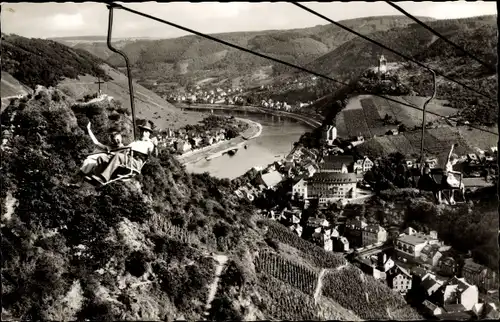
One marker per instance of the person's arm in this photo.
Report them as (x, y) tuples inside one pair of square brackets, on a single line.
[(449, 154), (155, 146), (96, 142)]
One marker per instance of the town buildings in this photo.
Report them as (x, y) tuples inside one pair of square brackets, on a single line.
[(363, 165), (399, 279), (373, 234), (409, 245), (330, 187), (479, 275), (337, 164), (330, 134), (457, 291)]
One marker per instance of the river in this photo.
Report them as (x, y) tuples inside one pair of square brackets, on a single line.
[(276, 140)]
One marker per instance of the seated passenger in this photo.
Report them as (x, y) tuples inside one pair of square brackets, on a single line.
[(451, 179), (141, 150), (93, 161)]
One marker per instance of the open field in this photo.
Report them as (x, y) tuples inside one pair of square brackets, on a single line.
[(364, 114)]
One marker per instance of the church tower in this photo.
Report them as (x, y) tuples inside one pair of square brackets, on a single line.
[(330, 134), (382, 65)]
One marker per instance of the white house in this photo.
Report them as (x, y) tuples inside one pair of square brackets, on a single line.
[(300, 189), (458, 291), (410, 244), (363, 165)]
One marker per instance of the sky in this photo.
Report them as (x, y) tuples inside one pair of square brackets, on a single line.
[(46, 20)]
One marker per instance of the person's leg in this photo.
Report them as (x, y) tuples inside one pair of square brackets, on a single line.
[(452, 197), (116, 161)]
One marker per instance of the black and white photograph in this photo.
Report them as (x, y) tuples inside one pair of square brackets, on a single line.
[(249, 161)]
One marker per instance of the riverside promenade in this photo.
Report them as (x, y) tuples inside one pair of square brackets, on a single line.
[(218, 149)]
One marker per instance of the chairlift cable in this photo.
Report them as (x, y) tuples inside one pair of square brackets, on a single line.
[(389, 49), (276, 60)]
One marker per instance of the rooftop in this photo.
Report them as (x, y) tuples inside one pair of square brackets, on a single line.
[(416, 239), (471, 266), (314, 220), (336, 161), (430, 305), (272, 178), (430, 250), (328, 177)]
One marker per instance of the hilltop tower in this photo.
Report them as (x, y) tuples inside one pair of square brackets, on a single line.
[(382, 65)]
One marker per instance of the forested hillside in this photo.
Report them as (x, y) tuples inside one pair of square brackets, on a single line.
[(27, 63), (44, 62)]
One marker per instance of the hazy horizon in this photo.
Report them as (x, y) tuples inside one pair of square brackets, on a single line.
[(89, 19)]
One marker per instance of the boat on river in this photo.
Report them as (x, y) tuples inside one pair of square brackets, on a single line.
[(232, 152)]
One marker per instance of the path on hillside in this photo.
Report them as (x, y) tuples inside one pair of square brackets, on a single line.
[(317, 292), (212, 290)]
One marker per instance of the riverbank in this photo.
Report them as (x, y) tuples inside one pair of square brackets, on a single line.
[(310, 121), (254, 130)]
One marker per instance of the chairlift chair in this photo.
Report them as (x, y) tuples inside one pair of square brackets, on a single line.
[(436, 184), (126, 172)]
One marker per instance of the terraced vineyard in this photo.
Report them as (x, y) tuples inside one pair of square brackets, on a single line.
[(355, 123), (365, 296), (317, 255), (386, 144), (286, 302), (450, 136), (371, 113), (403, 145), (294, 274)]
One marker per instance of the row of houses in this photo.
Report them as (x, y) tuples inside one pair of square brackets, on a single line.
[(423, 251), (210, 96), (182, 141), (278, 105)]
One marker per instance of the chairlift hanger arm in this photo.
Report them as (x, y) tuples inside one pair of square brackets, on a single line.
[(423, 119), (111, 6)]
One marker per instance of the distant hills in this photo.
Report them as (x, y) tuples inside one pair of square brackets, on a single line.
[(193, 58)]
